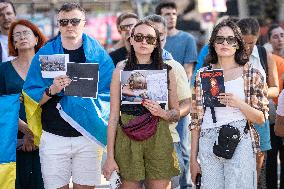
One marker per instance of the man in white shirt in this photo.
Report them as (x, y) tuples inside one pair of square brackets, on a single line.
[(7, 17)]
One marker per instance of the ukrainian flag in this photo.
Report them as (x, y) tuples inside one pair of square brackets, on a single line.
[(88, 116), (9, 118), (33, 115)]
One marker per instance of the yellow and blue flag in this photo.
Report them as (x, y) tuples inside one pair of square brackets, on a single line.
[(9, 119)]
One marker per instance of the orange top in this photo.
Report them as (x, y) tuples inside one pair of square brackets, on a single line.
[(280, 69)]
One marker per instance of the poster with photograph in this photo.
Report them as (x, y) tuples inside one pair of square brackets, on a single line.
[(53, 65), (137, 85), (85, 78), (212, 82)]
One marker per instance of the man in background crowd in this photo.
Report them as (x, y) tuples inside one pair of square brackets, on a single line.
[(183, 48), (7, 17), (183, 92), (124, 24)]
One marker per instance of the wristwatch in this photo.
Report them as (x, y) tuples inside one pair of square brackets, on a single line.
[(48, 92)]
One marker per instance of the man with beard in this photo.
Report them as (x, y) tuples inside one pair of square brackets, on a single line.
[(7, 16)]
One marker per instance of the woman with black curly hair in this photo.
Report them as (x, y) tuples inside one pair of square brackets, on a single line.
[(221, 136)]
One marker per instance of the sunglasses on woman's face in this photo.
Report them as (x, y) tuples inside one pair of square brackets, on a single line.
[(73, 21), (139, 37), (230, 40)]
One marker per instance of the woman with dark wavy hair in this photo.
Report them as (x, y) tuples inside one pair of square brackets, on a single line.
[(245, 102), (151, 160), (24, 40)]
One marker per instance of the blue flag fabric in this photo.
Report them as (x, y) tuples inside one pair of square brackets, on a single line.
[(89, 116), (9, 118)]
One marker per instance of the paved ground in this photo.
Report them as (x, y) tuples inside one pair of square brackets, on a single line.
[(104, 184)]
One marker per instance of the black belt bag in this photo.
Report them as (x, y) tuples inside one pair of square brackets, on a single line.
[(228, 140)]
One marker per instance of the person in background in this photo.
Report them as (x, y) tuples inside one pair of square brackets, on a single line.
[(24, 40), (279, 129), (151, 160), (183, 92), (182, 46), (7, 17), (242, 105), (250, 32), (276, 39), (275, 35), (124, 24)]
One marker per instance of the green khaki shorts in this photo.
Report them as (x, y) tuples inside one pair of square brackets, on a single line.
[(153, 158)]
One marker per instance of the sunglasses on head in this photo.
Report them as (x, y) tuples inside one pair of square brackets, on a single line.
[(139, 37), (230, 40), (125, 27), (73, 21)]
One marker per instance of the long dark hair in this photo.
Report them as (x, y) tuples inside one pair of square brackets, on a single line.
[(241, 56), (156, 55)]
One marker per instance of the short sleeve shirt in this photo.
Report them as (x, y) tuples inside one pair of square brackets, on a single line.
[(5, 51), (182, 46), (183, 91)]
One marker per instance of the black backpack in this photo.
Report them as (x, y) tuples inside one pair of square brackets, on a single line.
[(263, 59)]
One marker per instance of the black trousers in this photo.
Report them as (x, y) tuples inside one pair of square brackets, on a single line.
[(28, 170), (271, 161)]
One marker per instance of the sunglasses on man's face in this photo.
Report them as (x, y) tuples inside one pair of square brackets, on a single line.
[(73, 21), (139, 37), (230, 40), (125, 27)]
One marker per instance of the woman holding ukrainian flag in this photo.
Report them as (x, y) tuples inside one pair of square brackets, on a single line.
[(24, 40)]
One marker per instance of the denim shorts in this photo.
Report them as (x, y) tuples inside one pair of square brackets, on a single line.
[(219, 173)]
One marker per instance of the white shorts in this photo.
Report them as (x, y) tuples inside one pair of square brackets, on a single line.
[(63, 157)]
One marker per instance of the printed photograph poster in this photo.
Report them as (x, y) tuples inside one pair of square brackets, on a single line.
[(212, 82), (53, 65), (137, 85), (85, 78)]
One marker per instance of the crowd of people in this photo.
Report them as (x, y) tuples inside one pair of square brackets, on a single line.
[(151, 145)]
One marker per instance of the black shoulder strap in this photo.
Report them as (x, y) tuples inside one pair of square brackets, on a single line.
[(263, 59), (0, 52)]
